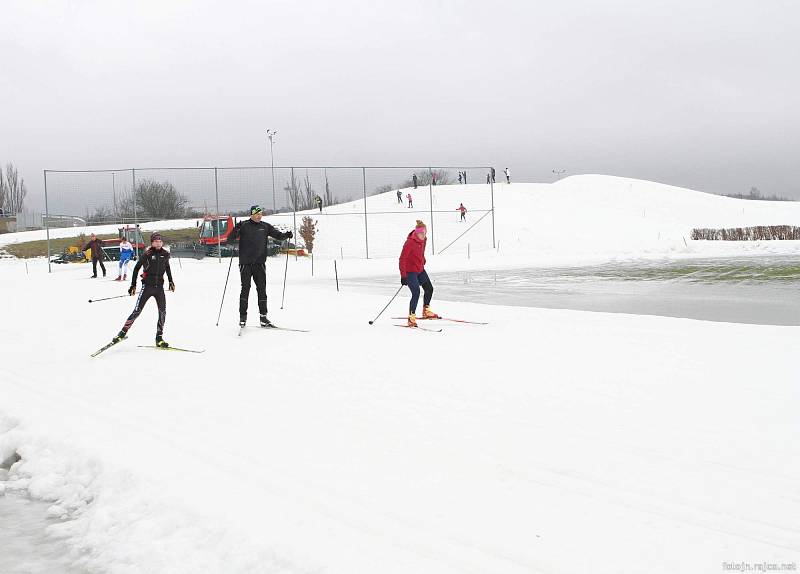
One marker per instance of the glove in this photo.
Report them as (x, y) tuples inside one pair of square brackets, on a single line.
[(404, 281), (172, 286), (132, 290)]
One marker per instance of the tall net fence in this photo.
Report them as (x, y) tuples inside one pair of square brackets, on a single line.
[(358, 212)]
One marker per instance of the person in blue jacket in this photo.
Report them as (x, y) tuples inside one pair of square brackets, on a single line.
[(125, 255)]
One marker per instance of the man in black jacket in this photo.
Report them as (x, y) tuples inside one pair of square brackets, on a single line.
[(154, 263), (96, 245), (253, 236)]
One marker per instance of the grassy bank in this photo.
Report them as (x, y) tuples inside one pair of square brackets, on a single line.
[(38, 248)]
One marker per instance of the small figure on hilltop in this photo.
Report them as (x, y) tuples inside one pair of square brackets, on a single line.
[(433, 178), (413, 274), (488, 177), (465, 177), (318, 202), (459, 177), (410, 200), (399, 197), (493, 174), (125, 255), (154, 262), (253, 235), (414, 179), (463, 211), (508, 176), (96, 245)]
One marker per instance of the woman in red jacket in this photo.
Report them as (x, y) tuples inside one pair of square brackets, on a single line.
[(413, 274)]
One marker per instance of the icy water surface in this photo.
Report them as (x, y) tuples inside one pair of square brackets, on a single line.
[(762, 290), (25, 547)]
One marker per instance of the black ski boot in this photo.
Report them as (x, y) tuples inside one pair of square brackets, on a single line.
[(265, 322), (121, 335), (161, 342), (242, 320)]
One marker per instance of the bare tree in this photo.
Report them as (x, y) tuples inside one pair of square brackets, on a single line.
[(3, 192), (307, 231), (425, 178), (154, 200), (15, 191)]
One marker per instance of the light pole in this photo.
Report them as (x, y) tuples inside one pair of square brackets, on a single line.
[(271, 135)]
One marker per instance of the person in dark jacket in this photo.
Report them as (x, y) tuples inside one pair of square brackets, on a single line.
[(414, 179), (413, 274), (399, 197), (96, 245), (154, 262), (253, 235)]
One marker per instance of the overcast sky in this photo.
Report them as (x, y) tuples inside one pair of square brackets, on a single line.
[(702, 94)]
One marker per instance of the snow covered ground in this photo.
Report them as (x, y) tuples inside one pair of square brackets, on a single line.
[(546, 441)]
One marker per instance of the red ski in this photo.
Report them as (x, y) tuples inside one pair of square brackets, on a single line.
[(446, 319)]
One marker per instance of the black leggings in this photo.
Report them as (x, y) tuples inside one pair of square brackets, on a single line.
[(258, 273), (156, 291)]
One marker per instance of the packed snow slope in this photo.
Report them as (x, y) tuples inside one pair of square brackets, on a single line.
[(577, 219), (586, 216), (545, 441)]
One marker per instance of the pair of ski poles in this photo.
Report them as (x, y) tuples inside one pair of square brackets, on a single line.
[(283, 298)]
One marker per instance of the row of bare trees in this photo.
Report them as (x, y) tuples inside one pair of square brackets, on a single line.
[(775, 232), (301, 192), (12, 191)]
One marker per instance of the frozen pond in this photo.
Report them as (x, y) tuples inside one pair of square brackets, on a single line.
[(762, 290), (25, 546)]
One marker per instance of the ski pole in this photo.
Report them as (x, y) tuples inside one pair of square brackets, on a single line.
[(387, 305), (225, 289), (107, 298), (286, 269)]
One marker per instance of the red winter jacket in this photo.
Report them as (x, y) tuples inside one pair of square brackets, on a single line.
[(412, 258)]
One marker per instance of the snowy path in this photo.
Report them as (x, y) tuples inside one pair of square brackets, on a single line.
[(547, 441)]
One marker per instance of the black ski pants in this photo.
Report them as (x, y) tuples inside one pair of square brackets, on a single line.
[(94, 267), (147, 291), (258, 273)]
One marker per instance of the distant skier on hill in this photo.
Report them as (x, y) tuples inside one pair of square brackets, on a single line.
[(125, 255), (492, 172), (465, 177), (459, 177), (399, 197), (463, 211), (508, 176), (318, 202), (410, 200), (154, 263), (413, 274), (414, 179)]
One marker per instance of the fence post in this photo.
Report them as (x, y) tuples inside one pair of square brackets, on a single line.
[(135, 214), (294, 215), (216, 197), (46, 223), (366, 229), (430, 197), (336, 273), (491, 185)]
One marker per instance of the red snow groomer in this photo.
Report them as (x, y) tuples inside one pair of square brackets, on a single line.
[(215, 234)]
